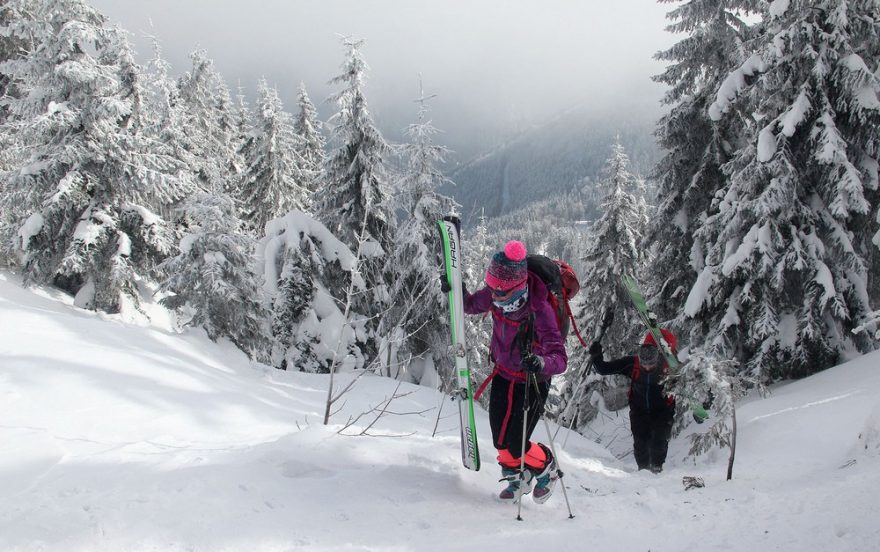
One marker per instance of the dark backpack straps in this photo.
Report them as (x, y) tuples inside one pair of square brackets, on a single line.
[(525, 336)]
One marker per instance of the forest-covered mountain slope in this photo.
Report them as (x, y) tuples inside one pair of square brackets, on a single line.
[(552, 158)]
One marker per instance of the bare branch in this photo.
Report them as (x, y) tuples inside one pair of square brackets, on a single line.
[(381, 410), (439, 413), (338, 410), (361, 374)]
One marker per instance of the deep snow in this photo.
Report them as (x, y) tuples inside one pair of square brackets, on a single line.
[(120, 435)]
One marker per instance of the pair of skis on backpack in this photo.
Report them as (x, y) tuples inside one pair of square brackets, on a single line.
[(452, 260)]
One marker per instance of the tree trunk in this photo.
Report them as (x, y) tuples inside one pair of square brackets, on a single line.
[(732, 443)]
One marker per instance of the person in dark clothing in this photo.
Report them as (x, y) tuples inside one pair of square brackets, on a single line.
[(651, 409)]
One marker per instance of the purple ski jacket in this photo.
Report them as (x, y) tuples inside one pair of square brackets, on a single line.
[(505, 351)]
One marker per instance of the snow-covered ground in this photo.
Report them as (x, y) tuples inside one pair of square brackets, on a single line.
[(122, 436)]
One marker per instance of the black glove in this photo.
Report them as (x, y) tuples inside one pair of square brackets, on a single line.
[(444, 283), (533, 364), (595, 349)]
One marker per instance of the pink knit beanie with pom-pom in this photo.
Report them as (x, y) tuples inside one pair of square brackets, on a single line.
[(508, 267)]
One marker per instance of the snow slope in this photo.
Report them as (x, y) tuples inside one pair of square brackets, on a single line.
[(116, 436)]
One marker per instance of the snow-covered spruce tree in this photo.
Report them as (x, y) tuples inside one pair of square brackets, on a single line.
[(212, 283), (690, 173), (354, 204), (415, 323), (146, 158), (166, 119), (613, 249), (272, 182), (228, 121), (15, 41), (82, 188), (309, 128), (209, 121), (242, 125), (785, 267), (357, 186), (304, 269)]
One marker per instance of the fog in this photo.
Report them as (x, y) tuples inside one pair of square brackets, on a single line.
[(496, 65)]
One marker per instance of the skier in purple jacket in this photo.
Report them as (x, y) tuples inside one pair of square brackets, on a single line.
[(517, 298)]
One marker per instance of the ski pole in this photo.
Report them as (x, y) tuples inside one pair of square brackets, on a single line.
[(559, 472), (522, 453), (526, 348)]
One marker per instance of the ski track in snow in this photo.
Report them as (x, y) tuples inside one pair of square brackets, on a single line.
[(121, 437), (807, 405)]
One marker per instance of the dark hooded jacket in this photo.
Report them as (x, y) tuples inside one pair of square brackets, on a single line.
[(647, 391)]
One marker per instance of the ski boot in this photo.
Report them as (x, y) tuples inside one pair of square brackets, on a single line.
[(546, 479), (512, 476)]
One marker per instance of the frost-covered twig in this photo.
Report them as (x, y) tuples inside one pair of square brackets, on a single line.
[(382, 410)]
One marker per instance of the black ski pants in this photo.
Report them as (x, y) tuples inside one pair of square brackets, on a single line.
[(506, 413), (651, 433)]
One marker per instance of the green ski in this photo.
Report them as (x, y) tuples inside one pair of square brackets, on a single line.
[(650, 321), (449, 232)]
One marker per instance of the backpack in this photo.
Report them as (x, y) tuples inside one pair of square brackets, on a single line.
[(562, 284)]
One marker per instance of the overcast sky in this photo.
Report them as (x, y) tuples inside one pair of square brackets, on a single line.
[(495, 64)]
